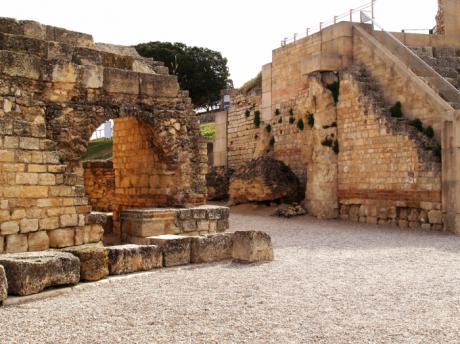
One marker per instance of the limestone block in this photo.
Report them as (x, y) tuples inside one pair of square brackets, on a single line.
[(31, 272), (156, 85), (176, 248), (96, 233), (222, 225), (49, 223), (121, 81), (125, 259), (28, 225), (435, 216), (63, 237), (211, 248), (9, 227), (252, 246), (38, 241), (16, 243), (94, 261), (69, 220), (3, 285), (2, 243)]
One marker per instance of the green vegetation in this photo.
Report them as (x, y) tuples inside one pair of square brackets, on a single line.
[(396, 110), (335, 89), (417, 124), (333, 125), (247, 113), (98, 149), (335, 147), (291, 112), (310, 120), (300, 124), (255, 82), (328, 142), (201, 71), (429, 131), (291, 119), (208, 130), (268, 128), (277, 112), (257, 118)]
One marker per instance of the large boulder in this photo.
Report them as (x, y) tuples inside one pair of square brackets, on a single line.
[(211, 248), (176, 248), (31, 272), (125, 259), (94, 261), (252, 246), (264, 179), (217, 182), (3, 285)]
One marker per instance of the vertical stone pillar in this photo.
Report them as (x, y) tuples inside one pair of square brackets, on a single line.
[(266, 108), (451, 174), (448, 18), (220, 140)]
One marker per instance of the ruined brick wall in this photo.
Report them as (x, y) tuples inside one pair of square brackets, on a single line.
[(387, 171), (56, 88), (100, 184)]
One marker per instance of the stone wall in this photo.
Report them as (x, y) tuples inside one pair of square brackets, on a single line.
[(388, 173), (56, 88), (100, 184)]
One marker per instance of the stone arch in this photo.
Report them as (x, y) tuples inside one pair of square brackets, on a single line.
[(56, 88)]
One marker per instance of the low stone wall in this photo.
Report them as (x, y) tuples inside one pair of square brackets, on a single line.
[(140, 224), (99, 184)]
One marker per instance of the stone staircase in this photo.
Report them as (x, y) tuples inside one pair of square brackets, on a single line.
[(429, 148), (445, 61)]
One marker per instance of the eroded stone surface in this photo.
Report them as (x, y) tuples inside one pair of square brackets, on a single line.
[(125, 259), (211, 248), (3, 285), (31, 272), (252, 246), (176, 248), (94, 261), (263, 179)]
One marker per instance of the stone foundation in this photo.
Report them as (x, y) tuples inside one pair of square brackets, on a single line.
[(140, 224)]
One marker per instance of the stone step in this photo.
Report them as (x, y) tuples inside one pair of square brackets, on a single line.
[(31, 272), (211, 248), (94, 262), (129, 258), (252, 246)]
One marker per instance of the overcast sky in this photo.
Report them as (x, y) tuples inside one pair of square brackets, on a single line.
[(244, 31)]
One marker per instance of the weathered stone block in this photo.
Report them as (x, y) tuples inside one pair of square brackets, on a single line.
[(9, 227), (176, 248), (157, 85), (121, 81), (3, 285), (70, 220), (94, 261), (38, 241), (63, 237), (252, 246), (16, 243), (125, 259), (96, 233), (28, 225), (211, 248), (435, 216), (31, 272)]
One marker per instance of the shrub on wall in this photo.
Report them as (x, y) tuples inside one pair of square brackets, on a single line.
[(300, 124), (247, 113), (396, 110), (291, 112), (291, 119), (417, 124), (257, 118), (310, 120), (335, 147), (268, 128), (335, 89), (429, 131)]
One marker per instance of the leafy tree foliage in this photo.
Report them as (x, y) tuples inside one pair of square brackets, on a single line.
[(201, 71)]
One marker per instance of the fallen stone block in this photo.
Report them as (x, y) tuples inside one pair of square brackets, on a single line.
[(211, 248), (176, 248), (252, 246), (3, 285), (124, 259), (31, 272), (94, 261)]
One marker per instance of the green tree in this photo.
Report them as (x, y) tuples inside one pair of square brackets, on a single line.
[(201, 71)]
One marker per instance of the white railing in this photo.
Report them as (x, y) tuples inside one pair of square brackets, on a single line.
[(416, 64), (353, 15)]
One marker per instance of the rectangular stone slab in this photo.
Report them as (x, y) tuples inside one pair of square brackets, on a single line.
[(124, 259), (176, 248), (3, 285), (211, 248), (31, 272), (94, 261), (252, 246)]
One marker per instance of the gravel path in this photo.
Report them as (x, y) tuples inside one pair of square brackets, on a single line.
[(331, 282)]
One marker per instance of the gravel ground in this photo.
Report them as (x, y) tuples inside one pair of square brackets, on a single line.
[(331, 282)]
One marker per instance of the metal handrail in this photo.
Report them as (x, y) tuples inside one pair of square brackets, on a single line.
[(345, 16), (417, 65)]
